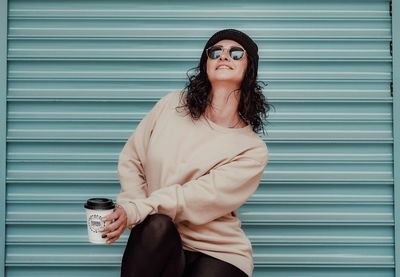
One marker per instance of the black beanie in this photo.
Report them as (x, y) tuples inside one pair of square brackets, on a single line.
[(244, 40)]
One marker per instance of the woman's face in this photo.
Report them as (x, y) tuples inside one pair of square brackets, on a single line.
[(225, 69)]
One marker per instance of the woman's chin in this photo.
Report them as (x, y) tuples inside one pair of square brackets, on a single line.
[(225, 78)]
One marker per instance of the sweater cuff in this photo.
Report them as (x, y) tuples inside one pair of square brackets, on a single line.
[(143, 208), (132, 212)]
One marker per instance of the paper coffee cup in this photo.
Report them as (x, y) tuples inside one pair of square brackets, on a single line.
[(96, 210)]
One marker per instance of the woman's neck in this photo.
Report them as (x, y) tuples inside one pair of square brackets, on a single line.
[(224, 108)]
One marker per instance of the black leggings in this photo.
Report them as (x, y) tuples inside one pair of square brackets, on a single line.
[(154, 249)]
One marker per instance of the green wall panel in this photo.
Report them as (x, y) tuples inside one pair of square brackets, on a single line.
[(80, 75)]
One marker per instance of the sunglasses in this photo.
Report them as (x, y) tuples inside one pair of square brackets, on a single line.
[(235, 52)]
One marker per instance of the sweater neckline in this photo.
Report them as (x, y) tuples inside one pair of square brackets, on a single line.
[(221, 128)]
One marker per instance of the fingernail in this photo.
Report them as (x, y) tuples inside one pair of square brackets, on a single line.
[(103, 236), (101, 229)]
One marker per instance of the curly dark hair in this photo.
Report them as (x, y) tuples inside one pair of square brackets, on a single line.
[(253, 105)]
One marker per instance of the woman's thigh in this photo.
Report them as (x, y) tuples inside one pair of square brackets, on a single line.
[(208, 266)]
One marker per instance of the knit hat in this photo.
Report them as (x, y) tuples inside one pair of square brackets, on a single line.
[(244, 40)]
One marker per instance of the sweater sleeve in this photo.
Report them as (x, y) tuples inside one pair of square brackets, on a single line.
[(132, 158), (217, 193)]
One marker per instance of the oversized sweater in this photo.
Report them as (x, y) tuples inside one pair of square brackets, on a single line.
[(198, 173)]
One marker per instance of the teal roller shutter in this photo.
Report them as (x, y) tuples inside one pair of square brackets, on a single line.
[(82, 74)]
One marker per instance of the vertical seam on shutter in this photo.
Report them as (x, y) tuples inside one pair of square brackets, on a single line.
[(395, 9), (3, 127)]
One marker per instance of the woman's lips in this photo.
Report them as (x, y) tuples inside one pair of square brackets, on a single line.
[(223, 67)]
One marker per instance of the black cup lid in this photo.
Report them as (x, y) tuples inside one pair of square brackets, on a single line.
[(99, 204)]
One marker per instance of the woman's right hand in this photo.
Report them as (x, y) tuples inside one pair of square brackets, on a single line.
[(118, 221)]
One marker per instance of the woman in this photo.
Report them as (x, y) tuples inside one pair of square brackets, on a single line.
[(184, 174)]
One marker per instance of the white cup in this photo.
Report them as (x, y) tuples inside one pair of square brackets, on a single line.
[(96, 210)]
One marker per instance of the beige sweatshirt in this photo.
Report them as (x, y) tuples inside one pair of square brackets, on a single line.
[(196, 172)]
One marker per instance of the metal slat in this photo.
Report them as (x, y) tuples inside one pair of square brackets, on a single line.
[(268, 192), (270, 50), (66, 233), (85, 70), (260, 271), (101, 151), (136, 108), (130, 90), (369, 256), (288, 213)]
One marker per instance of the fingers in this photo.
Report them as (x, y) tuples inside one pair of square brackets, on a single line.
[(113, 233), (114, 215), (113, 236), (117, 218), (118, 211), (118, 222), (114, 225)]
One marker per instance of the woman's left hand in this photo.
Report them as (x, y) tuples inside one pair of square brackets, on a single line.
[(118, 221)]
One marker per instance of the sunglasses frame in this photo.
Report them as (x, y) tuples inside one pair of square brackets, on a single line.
[(223, 49)]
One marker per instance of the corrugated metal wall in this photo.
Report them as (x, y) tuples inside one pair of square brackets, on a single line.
[(82, 74)]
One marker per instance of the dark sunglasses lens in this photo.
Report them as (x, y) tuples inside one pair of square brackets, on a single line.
[(214, 52), (236, 53)]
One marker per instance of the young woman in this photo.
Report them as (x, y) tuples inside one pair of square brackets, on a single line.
[(192, 161)]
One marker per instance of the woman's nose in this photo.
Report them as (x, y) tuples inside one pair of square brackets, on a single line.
[(224, 55)]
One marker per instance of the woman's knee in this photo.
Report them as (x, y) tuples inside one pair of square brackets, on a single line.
[(160, 224), (160, 228)]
